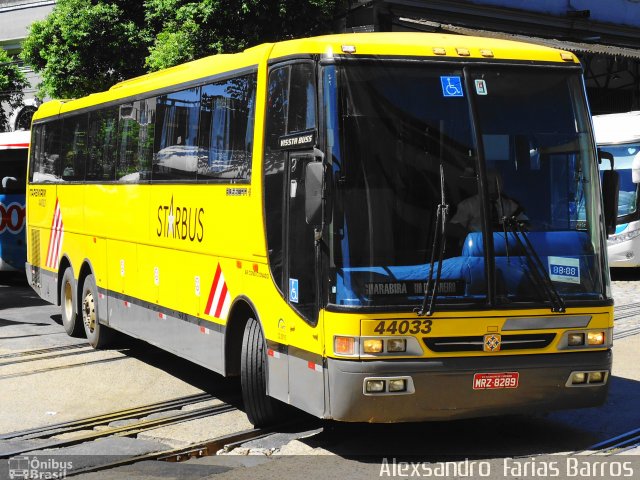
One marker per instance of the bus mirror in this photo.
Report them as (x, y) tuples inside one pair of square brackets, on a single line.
[(610, 192), (6, 180), (313, 192), (635, 169)]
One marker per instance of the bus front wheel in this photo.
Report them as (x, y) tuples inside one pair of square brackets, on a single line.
[(261, 409), (99, 336), (68, 303)]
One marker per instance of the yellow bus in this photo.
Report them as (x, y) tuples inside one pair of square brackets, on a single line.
[(376, 227)]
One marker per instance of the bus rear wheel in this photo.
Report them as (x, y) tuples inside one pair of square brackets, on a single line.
[(261, 409), (68, 303), (98, 335)]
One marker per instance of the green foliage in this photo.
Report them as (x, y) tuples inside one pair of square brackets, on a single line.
[(12, 83), (190, 29), (85, 46)]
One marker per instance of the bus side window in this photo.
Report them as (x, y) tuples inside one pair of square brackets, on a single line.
[(47, 166), (226, 129), (74, 147), (35, 162), (103, 130), (135, 141), (175, 143)]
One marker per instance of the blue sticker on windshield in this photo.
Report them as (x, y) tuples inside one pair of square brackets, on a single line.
[(451, 86), (563, 269)]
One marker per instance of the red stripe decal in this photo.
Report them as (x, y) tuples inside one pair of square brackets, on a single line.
[(213, 289)]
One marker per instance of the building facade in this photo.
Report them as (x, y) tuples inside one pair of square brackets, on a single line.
[(15, 18)]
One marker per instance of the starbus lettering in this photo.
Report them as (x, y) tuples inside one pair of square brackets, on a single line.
[(181, 223)]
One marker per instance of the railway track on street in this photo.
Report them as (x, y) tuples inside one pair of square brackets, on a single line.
[(616, 445), (47, 433), (625, 323), (45, 354)]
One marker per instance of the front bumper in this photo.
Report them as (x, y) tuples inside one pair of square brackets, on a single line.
[(443, 387)]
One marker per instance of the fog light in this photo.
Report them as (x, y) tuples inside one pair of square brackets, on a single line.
[(375, 386), (344, 345), (396, 345), (596, 377), (595, 338), (578, 378), (372, 346), (398, 385), (576, 339)]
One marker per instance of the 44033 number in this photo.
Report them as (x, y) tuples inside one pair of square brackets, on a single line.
[(403, 327)]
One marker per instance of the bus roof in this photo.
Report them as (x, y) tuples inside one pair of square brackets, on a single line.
[(366, 44), (617, 128), (15, 140)]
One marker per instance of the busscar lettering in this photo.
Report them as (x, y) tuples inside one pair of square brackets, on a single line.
[(180, 223)]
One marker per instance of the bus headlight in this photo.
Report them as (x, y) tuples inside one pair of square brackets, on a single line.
[(575, 339), (595, 338), (396, 345), (375, 386), (372, 345), (586, 339), (578, 378), (397, 385)]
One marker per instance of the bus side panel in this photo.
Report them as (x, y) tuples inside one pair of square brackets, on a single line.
[(295, 351), (306, 368), (171, 325)]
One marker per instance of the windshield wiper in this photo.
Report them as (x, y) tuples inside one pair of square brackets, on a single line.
[(439, 243), (536, 266)]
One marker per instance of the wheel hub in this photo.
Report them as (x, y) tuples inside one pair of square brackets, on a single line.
[(89, 312)]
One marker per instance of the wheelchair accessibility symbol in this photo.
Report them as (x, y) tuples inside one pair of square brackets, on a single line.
[(451, 86), (293, 290)]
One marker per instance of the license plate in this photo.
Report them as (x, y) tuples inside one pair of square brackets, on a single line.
[(486, 381)]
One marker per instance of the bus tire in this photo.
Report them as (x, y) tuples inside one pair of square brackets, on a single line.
[(261, 409), (69, 305), (99, 336)]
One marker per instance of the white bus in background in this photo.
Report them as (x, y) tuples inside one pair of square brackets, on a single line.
[(619, 134)]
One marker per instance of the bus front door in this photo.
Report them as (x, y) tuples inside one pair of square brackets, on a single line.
[(306, 379)]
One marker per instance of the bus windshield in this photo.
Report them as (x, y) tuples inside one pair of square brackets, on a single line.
[(515, 157)]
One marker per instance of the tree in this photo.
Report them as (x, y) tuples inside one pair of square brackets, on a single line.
[(12, 83), (85, 46), (186, 30)]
